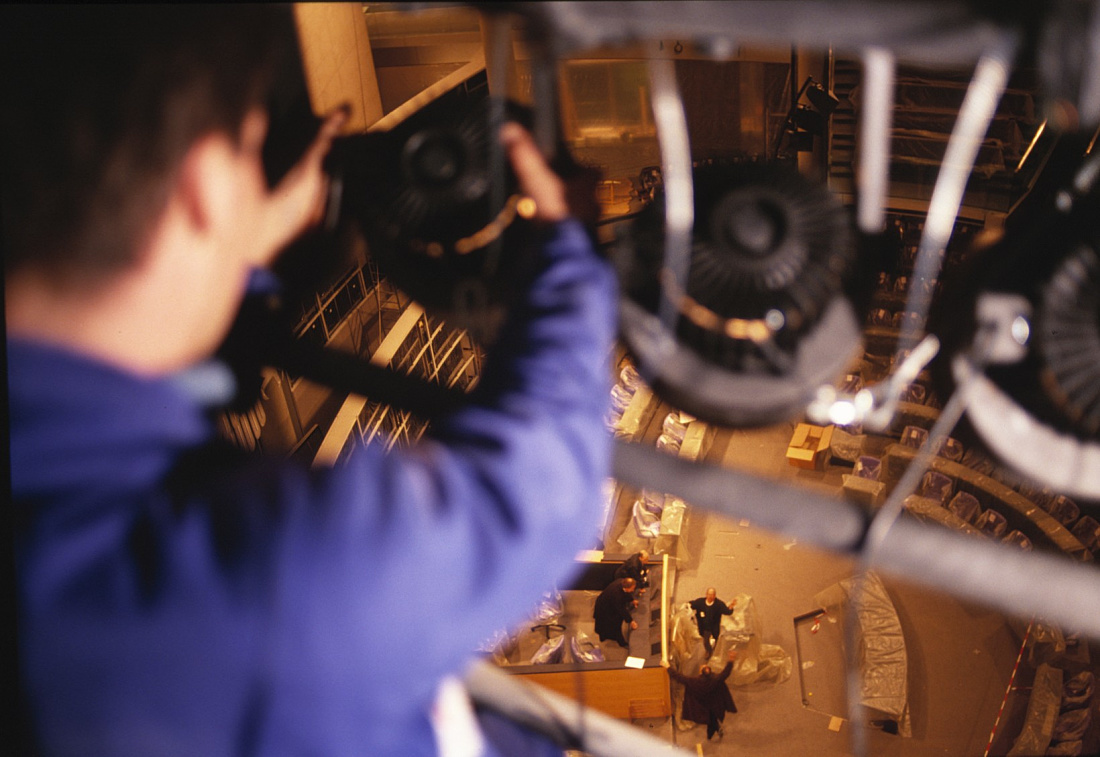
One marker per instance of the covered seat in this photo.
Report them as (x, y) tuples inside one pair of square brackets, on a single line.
[(851, 383), (936, 486), (1077, 691), (1087, 529), (1071, 726), (1064, 510), (916, 393), (966, 507), (620, 397), (630, 378), (675, 426), (914, 436), (868, 467), (952, 449), (975, 460), (880, 317), (666, 443), (1017, 539), (993, 523), (906, 317)]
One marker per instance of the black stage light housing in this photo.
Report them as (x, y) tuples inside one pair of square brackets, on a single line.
[(765, 318), (1029, 307), (440, 213)]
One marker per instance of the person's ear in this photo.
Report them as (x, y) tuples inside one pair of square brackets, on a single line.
[(207, 185)]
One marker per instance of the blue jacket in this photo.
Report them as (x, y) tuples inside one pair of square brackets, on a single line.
[(176, 598)]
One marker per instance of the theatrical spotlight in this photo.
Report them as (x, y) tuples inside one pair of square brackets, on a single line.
[(1026, 344), (440, 212), (804, 122), (764, 319)]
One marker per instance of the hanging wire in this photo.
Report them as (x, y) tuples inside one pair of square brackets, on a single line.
[(883, 522), (880, 526), (499, 32), (675, 148), (544, 92), (874, 151), (978, 108)]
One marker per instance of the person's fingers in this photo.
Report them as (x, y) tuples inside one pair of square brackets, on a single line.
[(536, 179), (330, 127), (298, 201)]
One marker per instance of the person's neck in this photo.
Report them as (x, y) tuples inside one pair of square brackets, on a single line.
[(168, 310), (115, 322)]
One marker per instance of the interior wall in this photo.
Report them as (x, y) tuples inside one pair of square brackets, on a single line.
[(337, 56)]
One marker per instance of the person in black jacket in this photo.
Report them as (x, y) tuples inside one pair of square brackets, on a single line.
[(707, 699), (613, 608), (708, 614), (637, 567)]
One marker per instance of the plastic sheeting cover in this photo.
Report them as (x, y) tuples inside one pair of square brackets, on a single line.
[(672, 517), (1071, 726), (1046, 642), (497, 646), (1042, 713), (991, 523), (965, 506), (549, 609), (845, 445), (935, 485), (1078, 690), (584, 649), (674, 426), (646, 522), (550, 653), (883, 662), (667, 443), (1066, 749), (930, 510), (868, 467)]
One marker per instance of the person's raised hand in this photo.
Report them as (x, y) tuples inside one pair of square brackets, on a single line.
[(732, 655), (536, 179), (633, 625), (297, 202)]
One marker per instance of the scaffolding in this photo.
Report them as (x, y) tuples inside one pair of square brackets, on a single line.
[(366, 316)]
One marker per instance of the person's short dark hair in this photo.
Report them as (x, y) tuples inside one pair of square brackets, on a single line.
[(100, 104), (629, 583)]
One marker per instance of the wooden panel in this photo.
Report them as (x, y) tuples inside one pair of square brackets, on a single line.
[(619, 693), (338, 63)]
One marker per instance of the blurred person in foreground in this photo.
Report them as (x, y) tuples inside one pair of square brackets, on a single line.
[(176, 596)]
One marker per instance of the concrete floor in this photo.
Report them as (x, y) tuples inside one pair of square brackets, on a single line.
[(960, 657)]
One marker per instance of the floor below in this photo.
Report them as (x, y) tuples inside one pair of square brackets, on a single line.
[(960, 656)]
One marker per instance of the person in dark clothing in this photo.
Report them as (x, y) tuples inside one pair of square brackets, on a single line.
[(707, 699), (708, 614), (613, 608), (637, 567)]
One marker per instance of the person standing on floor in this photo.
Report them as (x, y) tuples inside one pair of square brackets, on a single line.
[(613, 608), (707, 699), (708, 614), (637, 567)]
